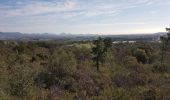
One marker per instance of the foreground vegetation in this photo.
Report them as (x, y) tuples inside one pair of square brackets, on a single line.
[(67, 71)]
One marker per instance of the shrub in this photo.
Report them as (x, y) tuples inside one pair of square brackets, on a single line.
[(149, 94), (141, 56), (62, 62), (129, 80), (158, 67), (20, 83), (45, 80), (132, 64), (59, 70)]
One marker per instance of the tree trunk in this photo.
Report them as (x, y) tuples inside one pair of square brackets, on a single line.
[(97, 64)]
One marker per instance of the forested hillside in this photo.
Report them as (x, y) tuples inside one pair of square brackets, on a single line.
[(67, 71)]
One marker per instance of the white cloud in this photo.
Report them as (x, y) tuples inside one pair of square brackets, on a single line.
[(35, 8), (154, 12), (91, 8), (67, 15)]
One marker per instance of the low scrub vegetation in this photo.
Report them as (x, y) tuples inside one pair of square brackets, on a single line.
[(62, 71)]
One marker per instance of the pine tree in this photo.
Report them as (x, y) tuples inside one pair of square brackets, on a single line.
[(101, 46), (165, 40)]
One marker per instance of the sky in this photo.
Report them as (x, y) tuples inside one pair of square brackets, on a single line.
[(84, 16)]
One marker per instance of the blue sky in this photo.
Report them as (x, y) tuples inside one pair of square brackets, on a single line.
[(84, 16)]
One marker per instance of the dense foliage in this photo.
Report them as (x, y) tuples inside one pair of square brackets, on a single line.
[(66, 71)]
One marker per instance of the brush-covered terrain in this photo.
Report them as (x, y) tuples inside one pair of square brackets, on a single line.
[(67, 71)]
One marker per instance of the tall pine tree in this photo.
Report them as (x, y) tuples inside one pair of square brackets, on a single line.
[(100, 47)]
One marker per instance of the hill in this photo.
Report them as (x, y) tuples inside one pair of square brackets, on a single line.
[(76, 37)]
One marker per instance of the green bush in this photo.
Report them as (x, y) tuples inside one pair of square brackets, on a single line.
[(20, 83), (149, 94), (129, 79), (61, 67), (131, 63), (158, 67), (141, 56)]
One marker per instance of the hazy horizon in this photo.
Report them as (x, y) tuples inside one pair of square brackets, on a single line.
[(84, 17), (64, 33)]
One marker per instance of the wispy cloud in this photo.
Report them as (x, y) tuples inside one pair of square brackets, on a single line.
[(27, 8), (61, 15), (36, 8)]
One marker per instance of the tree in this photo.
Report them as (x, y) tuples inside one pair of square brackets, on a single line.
[(107, 43), (101, 46), (168, 30), (165, 40), (141, 56)]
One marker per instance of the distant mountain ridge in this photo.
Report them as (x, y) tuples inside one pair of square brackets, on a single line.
[(76, 37)]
